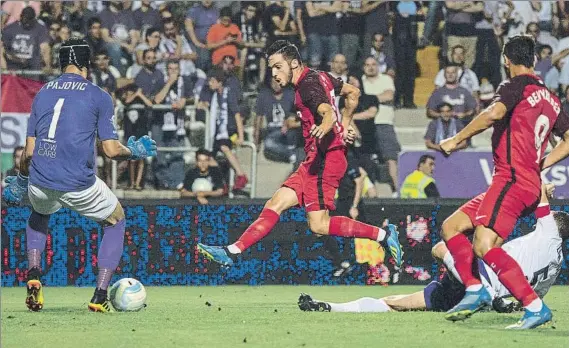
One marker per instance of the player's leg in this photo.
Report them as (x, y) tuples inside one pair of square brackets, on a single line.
[(284, 198), (44, 203), (99, 203), (441, 253), (363, 305), (487, 244), (232, 159)]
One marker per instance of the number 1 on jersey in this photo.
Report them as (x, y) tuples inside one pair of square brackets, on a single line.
[(55, 118)]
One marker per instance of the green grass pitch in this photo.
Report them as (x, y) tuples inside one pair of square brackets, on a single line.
[(266, 316)]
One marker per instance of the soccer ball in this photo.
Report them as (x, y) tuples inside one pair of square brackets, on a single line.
[(201, 185), (128, 295)]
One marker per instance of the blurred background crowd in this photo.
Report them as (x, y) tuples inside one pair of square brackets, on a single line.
[(194, 76)]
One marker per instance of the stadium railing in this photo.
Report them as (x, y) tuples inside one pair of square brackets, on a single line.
[(191, 112)]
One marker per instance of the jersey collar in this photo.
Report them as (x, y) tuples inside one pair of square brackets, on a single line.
[(302, 75)]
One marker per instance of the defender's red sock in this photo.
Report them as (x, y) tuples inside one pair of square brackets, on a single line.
[(461, 250), (510, 274), (345, 227), (258, 229)]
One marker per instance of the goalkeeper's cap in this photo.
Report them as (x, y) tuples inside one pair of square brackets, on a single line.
[(74, 52)]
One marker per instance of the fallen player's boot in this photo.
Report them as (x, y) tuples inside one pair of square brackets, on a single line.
[(307, 304), (472, 302)]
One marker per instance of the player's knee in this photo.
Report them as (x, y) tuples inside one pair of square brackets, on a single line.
[(117, 215), (319, 225), (38, 222), (449, 229), (439, 250)]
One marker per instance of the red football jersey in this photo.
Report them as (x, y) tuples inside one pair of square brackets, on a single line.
[(312, 89), (520, 138)]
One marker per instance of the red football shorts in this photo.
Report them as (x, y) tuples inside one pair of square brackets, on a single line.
[(501, 206), (315, 181)]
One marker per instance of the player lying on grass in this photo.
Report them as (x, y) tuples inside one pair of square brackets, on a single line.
[(68, 114), (313, 185), (539, 254)]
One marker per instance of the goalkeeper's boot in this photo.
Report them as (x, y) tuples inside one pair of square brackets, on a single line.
[(307, 304), (34, 296), (100, 303), (392, 244), (531, 320), (472, 302), (217, 254)]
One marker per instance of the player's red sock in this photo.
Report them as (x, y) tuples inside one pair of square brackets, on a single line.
[(258, 229), (345, 227), (510, 274), (461, 250)]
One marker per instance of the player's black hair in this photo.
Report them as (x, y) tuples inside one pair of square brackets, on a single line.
[(92, 21), (203, 152), (217, 73), (225, 12), (562, 222), (286, 48), (520, 50), (74, 52), (443, 104), (424, 158)]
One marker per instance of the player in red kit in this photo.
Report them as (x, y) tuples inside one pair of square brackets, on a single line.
[(314, 184), (523, 113)]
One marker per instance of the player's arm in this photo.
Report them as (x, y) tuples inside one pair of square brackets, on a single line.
[(114, 150), (326, 111), (495, 112), (561, 150), (351, 96)]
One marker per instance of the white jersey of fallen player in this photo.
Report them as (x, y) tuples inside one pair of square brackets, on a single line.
[(539, 254)]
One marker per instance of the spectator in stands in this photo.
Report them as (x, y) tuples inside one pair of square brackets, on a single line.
[(53, 31), (542, 38), (466, 77), (253, 62), (301, 17), (420, 183), (151, 41), (52, 12), (63, 34), (94, 36), (566, 100), (445, 126), (26, 43), (339, 67), (223, 38), (102, 75), (377, 21), (546, 13), (79, 16), (204, 181), (119, 32), (199, 20), (275, 107), (486, 93), (322, 30), (382, 86), (488, 51), (351, 30), (13, 9), (149, 79), (544, 62), (405, 40), (227, 122), (135, 123), (146, 17), (279, 23), (523, 13), (16, 157), (174, 46), (460, 27), (385, 61), (463, 103)]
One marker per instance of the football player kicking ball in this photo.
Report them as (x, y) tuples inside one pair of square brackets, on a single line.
[(67, 116), (314, 184), (539, 253), (523, 114)]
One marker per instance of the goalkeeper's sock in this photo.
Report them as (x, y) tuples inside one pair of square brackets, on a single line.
[(257, 231), (342, 226), (362, 305), (110, 253), (36, 237)]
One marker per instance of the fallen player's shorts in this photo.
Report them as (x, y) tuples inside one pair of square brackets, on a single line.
[(442, 296), (97, 202), (500, 206), (316, 180)]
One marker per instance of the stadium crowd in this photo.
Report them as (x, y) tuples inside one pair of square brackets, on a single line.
[(209, 55)]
